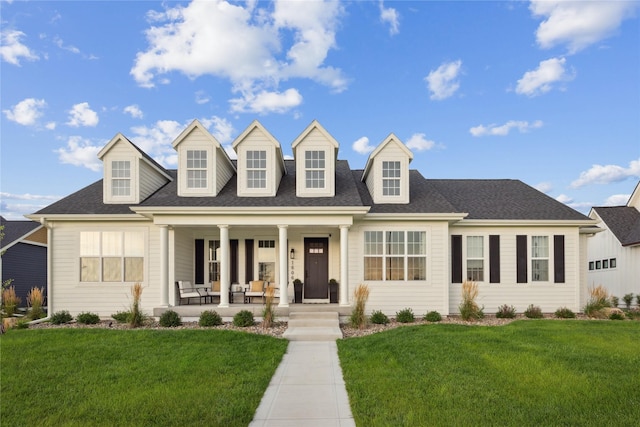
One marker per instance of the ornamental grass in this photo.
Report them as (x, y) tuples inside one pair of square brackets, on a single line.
[(358, 318), (35, 299), (269, 311), (599, 299), (10, 301), (136, 318), (469, 309)]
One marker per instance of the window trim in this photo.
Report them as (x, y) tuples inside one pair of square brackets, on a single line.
[(200, 168), (250, 169), (101, 255), (320, 169), (388, 252), (388, 180), (123, 179)]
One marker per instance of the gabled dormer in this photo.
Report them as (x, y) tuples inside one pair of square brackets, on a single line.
[(387, 172), (260, 162), (203, 165), (130, 175), (634, 200), (315, 151)]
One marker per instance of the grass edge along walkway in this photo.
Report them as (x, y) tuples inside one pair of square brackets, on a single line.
[(73, 377), (544, 372)]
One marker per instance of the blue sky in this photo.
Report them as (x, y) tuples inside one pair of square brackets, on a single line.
[(547, 92)]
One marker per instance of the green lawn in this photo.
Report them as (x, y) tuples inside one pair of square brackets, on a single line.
[(93, 377), (528, 373)]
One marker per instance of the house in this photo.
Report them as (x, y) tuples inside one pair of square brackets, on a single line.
[(614, 254), (412, 240), (24, 256)]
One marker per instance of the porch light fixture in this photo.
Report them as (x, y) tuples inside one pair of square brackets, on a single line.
[(292, 254)]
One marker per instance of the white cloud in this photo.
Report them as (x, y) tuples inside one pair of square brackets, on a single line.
[(26, 112), (266, 102), (12, 50), (541, 80), (58, 41), (50, 125), (578, 24), (220, 128), (617, 200), (27, 196), (82, 115), (156, 140), (419, 142), (390, 16), (362, 146), (291, 40), (443, 82), (563, 198), (201, 97), (544, 187), (599, 174), (80, 152), (504, 129), (134, 111)]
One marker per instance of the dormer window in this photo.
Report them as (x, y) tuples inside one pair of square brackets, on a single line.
[(120, 178), (390, 178), (314, 164), (196, 169), (257, 169)]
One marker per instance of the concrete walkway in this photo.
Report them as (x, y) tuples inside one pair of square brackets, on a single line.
[(306, 390)]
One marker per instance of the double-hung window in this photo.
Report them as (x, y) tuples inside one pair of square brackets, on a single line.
[(390, 178), (540, 258), (475, 258), (267, 260), (111, 256), (257, 169), (314, 164), (120, 178), (196, 169), (214, 260), (395, 255)]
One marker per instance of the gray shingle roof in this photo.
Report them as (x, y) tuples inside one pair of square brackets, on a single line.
[(481, 199), (13, 230), (623, 221)]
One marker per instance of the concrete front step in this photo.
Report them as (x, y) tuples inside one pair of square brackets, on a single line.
[(310, 326)]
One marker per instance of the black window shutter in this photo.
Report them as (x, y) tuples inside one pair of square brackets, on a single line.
[(234, 261), (199, 262), (248, 251), (521, 259), (456, 258), (494, 259), (558, 259)]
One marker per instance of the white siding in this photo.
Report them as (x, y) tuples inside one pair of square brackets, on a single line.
[(150, 180), (224, 171), (257, 140), (548, 295), (104, 299), (625, 277), (198, 140), (393, 153), (125, 152), (393, 296)]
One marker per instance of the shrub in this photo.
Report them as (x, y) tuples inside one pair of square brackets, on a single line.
[(136, 318), (598, 300), (638, 300), (10, 301), (35, 299), (564, 313), (121, 316), (379, 318), (628, 299), (615, 301), (405, 316), (616, 315), (533, 312), (87, 318), (60, 317), (506, 312), (243, 319), (210, 318), (433, 316), (170, 319), (358, 319), (469, 309), (269, 311), (22, 324)]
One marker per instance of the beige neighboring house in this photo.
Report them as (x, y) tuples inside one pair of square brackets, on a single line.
[(614, 254), (412, 240)]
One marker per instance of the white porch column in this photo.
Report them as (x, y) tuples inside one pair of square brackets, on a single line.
[(164, 265), (282, 269), (224, 265), (344, 265)]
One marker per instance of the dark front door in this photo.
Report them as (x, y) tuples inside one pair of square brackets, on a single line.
[(316, 268)]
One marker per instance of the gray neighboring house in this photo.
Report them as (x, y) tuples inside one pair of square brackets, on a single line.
[(24, 256), (262, 217), (614, 254)]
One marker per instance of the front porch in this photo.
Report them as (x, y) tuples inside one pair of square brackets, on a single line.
[(193, 311)]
